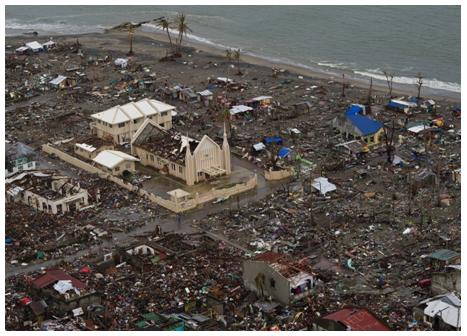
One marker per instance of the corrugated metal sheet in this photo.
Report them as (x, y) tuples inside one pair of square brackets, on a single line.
[(52, 276), (358, 319)]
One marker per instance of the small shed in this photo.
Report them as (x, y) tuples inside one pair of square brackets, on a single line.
[(62, 82), (187, 95), (49, 45), (238, 109), (34, 46), (445, 257), (115, 162), (179, 195), (205, 96)]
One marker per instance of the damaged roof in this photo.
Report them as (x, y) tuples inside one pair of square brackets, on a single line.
[(52, 276), (358, 319)]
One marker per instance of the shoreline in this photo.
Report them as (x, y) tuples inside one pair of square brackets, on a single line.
[(379, 87)]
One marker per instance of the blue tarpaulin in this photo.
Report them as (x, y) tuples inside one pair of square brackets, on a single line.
[(367, 126), (8, 241), (274, 139), (396, 105), (283, 152)]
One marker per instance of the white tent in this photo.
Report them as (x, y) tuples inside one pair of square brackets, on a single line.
[(323, 185)]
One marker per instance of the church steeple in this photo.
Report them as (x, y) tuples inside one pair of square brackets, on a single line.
[(226, 152)]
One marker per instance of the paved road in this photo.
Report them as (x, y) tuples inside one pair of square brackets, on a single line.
[(173, 223)]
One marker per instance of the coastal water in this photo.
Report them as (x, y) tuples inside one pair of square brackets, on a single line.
[(362, 41)]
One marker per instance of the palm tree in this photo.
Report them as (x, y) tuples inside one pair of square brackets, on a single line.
[(183, 29), (236, 57), (228, 54), (165, 25), (130, 36)]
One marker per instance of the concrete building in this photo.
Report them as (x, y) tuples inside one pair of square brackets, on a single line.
[(354, 124), (447, 281), (115, 162), (46, 192), (63, 292), (272, 274), (442, 312), (120, 123), (174, 154)]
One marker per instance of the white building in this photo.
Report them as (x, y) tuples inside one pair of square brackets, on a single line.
[(178, 155), (115, 162), (120, 123)]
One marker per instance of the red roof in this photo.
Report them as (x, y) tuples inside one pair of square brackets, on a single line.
[(52, 276), (268, 257), (359, 319)]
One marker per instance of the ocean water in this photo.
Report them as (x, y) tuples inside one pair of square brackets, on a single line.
[(361, 41)]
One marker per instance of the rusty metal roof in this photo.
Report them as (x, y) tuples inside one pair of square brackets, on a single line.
[(52, 276)]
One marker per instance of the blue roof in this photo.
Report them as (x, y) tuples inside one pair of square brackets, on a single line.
[(366, 125), (393, 104), (283, 152), (273, 139)]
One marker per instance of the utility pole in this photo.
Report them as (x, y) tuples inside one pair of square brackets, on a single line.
[(370, 95), (310, 200), (343, 85)]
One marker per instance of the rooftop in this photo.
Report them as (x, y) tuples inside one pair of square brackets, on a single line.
[(112, 158), (52, 276), (443, 255), (364, 124), (133, 110), (358, 319)]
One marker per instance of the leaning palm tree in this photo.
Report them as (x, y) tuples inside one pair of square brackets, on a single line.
[(183, 29), (165, 25)]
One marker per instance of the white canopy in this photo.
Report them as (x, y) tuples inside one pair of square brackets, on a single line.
[(323, 185), (240, 109)]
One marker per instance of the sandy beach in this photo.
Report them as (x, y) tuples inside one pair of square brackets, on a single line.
[(144, 42)]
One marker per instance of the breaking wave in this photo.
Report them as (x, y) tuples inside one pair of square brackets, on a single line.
[(428, 82), (12, 27)]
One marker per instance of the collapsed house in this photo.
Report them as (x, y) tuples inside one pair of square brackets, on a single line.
[(62, 82), (46, 192), (354, 124), (63, 292), (271, 274), (19, 157), (120, 123), (174, 154), (350, 319)]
